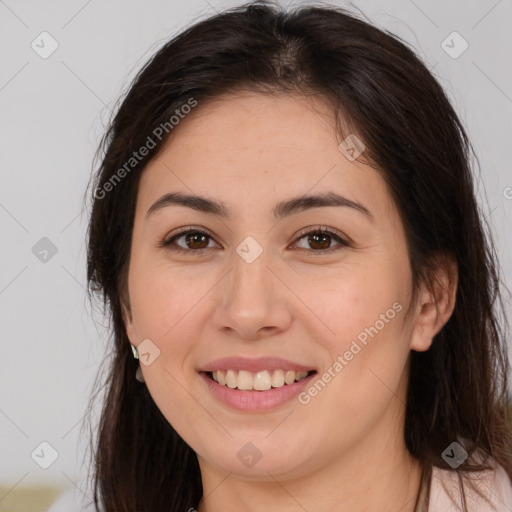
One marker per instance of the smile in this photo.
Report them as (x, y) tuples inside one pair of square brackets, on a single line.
[(248, 398)]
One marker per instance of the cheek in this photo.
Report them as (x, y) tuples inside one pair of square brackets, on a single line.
[(162, 297), (366, 341), (355, 300), (165, 306), (367, 353)]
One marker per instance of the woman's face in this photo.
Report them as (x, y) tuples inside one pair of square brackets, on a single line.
[(260, 284)]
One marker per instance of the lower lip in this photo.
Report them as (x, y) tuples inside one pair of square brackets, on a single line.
[(255, 400)]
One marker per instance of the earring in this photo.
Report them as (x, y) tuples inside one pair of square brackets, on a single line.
[(138, 373)]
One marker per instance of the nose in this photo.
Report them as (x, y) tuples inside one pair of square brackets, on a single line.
[(251, 302)]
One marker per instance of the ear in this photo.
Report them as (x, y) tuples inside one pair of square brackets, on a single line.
[(436, 301), (128, 323)]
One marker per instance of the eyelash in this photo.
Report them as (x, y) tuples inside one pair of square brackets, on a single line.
[(302, 234)]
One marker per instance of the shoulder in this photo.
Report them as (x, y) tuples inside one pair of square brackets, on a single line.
[(445, 493)]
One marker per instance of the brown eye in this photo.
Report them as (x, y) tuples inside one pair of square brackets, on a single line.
[(196, 240), (319, 241), (191, 241)]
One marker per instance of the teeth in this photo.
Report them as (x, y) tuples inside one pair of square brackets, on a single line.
[(259, 381), (231, 379), (289, 377), (244, 380), (262, 381), (278, 378)]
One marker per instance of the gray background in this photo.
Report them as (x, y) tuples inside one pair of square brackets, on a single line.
[(53, 112)]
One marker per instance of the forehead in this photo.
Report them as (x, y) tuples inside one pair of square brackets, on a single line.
[(250, 148), (251, 120)]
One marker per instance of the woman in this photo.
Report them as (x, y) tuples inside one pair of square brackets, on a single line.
[(302, 294)]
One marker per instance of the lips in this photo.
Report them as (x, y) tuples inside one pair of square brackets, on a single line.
[(254, 401), (255, 384)]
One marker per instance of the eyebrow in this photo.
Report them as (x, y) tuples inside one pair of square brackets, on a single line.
[(281, 210)]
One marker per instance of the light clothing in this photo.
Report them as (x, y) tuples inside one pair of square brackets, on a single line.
[(445, 493)]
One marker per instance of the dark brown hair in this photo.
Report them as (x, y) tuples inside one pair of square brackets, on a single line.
[(380, 90)]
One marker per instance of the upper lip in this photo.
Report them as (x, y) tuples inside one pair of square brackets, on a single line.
[(254, 364)]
